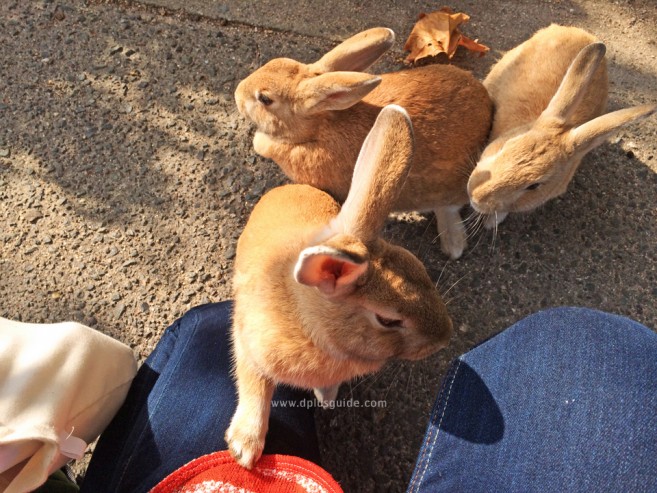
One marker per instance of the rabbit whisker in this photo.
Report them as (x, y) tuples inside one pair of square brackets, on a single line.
[(467, 220), (473, 216), (492, 245), (449, 300), (440, 276), (465, 169), (477, 225), (495, 229), (372, 378), (480, 225), (435, 239), (443, 295), (495, 233), (419, 248), (363, 379), (409, 384), (394, 379)]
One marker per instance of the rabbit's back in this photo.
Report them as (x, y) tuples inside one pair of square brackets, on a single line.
[(451, 114), (523, 82), (280, 225)]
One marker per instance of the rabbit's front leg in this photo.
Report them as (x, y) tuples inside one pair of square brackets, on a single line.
[(326, 395), (451, 230), (246, 434), (263, 144)]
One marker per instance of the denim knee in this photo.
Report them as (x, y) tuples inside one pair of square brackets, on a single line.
[(565, 327)]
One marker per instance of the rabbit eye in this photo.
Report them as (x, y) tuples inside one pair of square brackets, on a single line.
[(533, 186), (389, 323), (266, 100)]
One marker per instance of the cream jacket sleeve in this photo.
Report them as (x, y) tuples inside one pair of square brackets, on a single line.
[(60, 385)]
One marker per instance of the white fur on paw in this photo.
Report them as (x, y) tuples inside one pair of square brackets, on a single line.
[(246, 448), (261, 144), (326, 395), (453, 242)]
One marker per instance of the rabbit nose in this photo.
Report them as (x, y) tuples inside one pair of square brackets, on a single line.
[(477, 179), (483, 203), (478, 193), (446, 336), (428, 350), (450, 329), (431, 347)]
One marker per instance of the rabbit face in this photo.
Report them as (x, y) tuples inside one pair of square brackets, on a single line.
[(519, 174), (390, 316), (263, 100)]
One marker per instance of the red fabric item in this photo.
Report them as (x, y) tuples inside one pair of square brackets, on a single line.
[(219, 473)]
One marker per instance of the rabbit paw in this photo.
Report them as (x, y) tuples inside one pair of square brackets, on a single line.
[(451, 231), (326, 395), (453, 244), (262, 144), (494, 219), (245, 446)]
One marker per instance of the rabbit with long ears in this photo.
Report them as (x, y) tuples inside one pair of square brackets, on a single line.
[(312, 120), (319, 297), (549, 94)]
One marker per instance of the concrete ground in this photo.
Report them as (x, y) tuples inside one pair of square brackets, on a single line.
[(126, 176)]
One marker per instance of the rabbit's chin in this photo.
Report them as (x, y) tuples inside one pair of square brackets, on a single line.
[(482, 209), (491, 212), (373, 357), (502, 210)]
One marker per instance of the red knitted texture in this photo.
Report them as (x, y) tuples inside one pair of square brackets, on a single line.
[(218, 472)]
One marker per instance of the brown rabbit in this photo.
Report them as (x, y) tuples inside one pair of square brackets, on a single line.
[(549, 93), (312, 120), (319, 297)]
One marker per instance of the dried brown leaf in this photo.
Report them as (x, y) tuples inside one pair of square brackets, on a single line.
[(438, 32)]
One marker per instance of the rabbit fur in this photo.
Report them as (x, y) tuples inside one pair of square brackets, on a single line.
[(319, 297), (549, 94), (312, 119)]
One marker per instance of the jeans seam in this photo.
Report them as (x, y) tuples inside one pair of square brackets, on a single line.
[(435, 438), (127, 463)]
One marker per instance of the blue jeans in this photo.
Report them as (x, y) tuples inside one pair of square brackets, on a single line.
[(565, 400), (179, 406)]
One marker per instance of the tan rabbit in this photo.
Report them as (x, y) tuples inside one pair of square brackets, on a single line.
[(312, 120), (548, 93), (319, 297)]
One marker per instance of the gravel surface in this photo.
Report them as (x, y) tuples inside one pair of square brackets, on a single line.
[(126, 175)]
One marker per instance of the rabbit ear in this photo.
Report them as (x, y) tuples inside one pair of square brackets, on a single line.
[(336, 90), (358, 52), (381, 169), (576, 81), (333, 271), (593, 133)]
